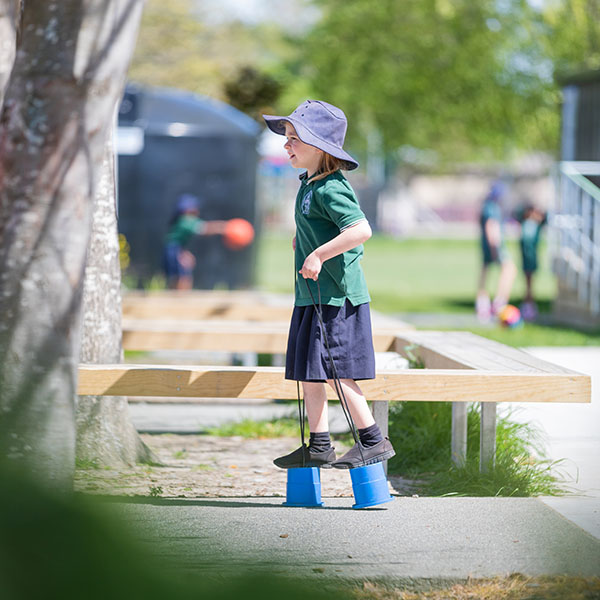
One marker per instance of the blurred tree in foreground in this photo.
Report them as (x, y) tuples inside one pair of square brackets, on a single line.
[(59, 104)]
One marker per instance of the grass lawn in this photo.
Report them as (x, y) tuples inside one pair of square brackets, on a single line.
[(430, 276)]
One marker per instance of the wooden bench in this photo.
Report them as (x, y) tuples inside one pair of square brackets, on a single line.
[(242, 321), (459, 367), (207, 304), (268, 337)]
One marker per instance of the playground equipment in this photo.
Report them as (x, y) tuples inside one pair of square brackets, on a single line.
[(369, 485), (303, 487), (460, 367)]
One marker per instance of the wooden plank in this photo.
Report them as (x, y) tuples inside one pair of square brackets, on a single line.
[(462, 349), (229, 336), (268, 382), (219, 305), (190, 308)]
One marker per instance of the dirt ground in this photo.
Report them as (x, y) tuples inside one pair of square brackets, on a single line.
[(218, 467)]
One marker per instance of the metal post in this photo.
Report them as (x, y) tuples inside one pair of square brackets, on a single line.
[(459, 433), (487, 438)]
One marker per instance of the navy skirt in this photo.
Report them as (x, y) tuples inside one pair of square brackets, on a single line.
[(348, 330)]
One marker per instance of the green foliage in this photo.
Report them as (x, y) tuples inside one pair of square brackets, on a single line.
[(252, 91), (177, 48), (516, 476), (448, 76), (155, 491), (87, 464), (470, 80), (572, 34), (287, 427), (421, 434)]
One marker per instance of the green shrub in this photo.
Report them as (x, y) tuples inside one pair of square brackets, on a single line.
[(421, 434)]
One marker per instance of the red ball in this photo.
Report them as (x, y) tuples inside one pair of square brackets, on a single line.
[(238, 234)]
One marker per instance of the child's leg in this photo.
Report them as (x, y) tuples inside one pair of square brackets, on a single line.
[(481, 287), (529, 286), (483, 304), (319, 452), (315, 398), (373, 446), (357, 403)]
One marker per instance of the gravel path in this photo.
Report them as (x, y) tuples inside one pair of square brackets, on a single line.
[(196, 466)]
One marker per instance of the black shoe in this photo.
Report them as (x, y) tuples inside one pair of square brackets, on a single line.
[(311, 458), (359, 457)]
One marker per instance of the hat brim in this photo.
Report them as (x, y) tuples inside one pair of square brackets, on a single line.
[(277, 125)]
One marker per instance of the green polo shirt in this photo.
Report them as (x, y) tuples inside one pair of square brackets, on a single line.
[(324, 208), (184, 228)]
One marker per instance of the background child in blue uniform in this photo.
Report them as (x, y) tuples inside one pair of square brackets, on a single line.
[(493, 252), (185, 223), (330, 231), (532, 220)]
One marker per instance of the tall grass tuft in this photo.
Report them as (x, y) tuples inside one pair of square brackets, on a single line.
[(421, 434)]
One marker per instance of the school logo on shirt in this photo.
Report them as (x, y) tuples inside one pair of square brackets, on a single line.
[(305, 207)]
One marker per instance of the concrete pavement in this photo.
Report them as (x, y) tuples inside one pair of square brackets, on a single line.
[(406, 540), (410, 538), (571, 434)]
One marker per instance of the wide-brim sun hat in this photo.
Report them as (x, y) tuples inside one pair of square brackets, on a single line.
[(317, 124)]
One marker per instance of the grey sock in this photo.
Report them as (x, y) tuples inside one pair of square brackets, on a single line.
[(320, 441)]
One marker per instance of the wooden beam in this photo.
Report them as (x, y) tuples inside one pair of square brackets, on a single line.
[(194, 308), (268, 337), (268, 382), (465, 350)]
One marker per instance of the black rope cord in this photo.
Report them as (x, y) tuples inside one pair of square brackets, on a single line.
[(336, 380)]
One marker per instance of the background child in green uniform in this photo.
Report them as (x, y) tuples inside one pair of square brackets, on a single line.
[(532, 220), (493, 252), (330, 231), (185, 223)]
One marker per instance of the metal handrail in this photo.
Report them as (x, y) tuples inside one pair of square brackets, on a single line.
[(576, 227)]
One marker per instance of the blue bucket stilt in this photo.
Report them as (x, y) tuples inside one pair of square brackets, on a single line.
[(370, 486), (303, 487)]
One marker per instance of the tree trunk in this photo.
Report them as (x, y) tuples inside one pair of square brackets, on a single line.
[(67, 78), (105, 434), (9, 17)]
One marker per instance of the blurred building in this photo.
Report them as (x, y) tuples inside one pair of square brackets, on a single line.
[(575, 226), (171, 142)]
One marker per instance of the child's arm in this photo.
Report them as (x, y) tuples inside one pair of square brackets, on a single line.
[(211, 227), (349, 238)]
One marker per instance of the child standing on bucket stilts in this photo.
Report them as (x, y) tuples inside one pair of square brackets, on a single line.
[(330, 231)]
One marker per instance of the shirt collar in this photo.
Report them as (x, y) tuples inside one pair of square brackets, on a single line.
[(304, 178)]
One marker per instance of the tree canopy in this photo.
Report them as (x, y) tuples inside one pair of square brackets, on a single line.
[(468, 80)]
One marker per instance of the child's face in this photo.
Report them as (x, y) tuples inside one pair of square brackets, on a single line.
[(302, 156)]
